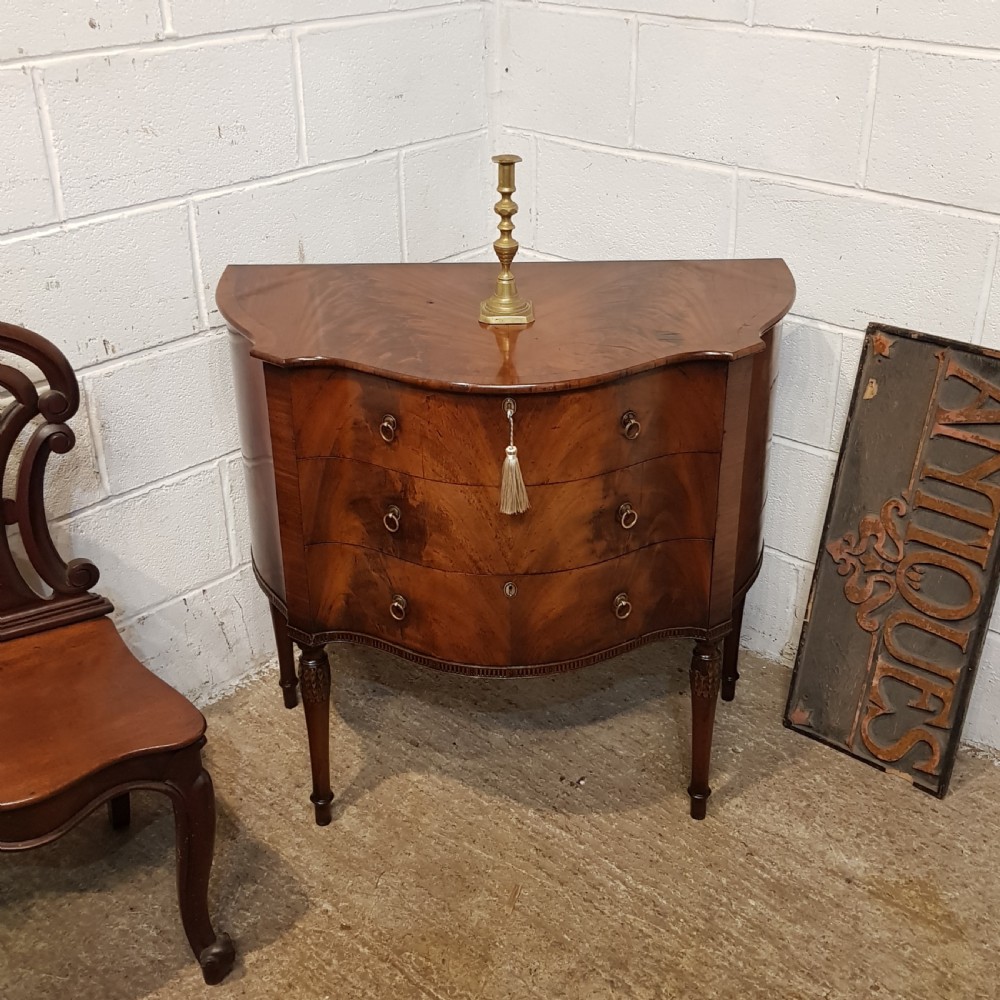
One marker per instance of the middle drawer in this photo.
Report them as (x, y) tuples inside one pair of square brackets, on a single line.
[(460, 528)]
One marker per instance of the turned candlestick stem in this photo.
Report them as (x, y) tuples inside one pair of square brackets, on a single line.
[(505, 307)]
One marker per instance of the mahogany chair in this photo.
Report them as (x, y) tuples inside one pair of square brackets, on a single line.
[(82, 721)]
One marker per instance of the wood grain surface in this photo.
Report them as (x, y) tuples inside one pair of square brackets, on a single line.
[(459, 528), (467, 618), (419, 322), (460, 438)]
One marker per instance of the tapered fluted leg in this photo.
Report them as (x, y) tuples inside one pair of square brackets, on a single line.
[(194, 815), (286, 659), (120, 811), (731, 654), (314, 676), (705, 678)]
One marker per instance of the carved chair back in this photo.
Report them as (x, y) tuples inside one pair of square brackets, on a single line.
[(23, 609)]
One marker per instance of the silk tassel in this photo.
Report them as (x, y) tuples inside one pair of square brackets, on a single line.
[(513, 495)]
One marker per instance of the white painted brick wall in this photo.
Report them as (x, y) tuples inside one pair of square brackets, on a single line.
[(25, 191), (141, 294), (47, 26), (717, 95), (134, 127), (339, 215), (576, 89), (972, 22), (935, 134), (857, 259), (145, 151), (859, 140), (414, 77), (647, 209)]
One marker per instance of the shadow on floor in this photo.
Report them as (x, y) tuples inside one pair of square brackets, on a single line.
[(114, 895), (404, 717)]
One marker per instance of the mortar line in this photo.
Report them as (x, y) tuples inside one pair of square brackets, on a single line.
[(494, 75), (404, 246), (751, 11), (48, 141), (301, 144), (98, 442), (836, 188), (979, 328), (153, 609), (198, 275), (797, 561), (139, 491), (463, 255), (810, 449), (869, 120), (167, 19), (205, 194), (633, 82), (537, 208), (254, 33), (822, 324), (734, 212), (229, 513), (153, 351), (957, 49)]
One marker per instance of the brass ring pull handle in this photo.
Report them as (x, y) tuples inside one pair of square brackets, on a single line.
[(388, 428), (391, 518), (623, 606), (398, 607), (627, 516), (631, 425)]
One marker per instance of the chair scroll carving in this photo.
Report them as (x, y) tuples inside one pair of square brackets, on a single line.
[(22, 609)]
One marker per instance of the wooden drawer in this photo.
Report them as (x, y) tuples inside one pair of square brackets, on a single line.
[(552, 617), (460, 528), (460, 438)]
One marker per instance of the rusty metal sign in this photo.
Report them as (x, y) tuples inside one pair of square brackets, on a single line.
[(907, 568)]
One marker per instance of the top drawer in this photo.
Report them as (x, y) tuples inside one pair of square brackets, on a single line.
[(460, 438)]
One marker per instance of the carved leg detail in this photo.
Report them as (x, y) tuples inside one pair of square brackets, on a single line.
[(731, 653), (705, 679), (120, 811), (194, 815), (314, 675), (286, 659)]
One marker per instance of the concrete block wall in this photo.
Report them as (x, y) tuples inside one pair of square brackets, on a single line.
[(859, 140), (147, 144), (150, 142)]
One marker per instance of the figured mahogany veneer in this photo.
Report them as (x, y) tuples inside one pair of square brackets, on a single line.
[(370, 404), (570, 524), (560, 436)]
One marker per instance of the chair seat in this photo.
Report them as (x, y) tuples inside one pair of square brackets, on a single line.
[(73, 701)]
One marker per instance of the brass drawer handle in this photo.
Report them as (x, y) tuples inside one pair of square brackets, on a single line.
[(623, 606), (388, 428), (627, 516), (391, 519), (631, 425), (398, 607)]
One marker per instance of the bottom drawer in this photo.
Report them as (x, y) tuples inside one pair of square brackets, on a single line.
[(509, 620)]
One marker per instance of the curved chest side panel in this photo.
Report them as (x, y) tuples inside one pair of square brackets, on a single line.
[(754, 492), (258, 463)]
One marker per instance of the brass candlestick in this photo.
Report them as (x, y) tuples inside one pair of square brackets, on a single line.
[(505, 307)]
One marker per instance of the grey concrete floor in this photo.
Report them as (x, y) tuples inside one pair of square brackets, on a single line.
[(528, 839)]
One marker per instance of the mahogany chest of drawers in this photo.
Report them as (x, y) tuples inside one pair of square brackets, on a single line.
[(373, 421)]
